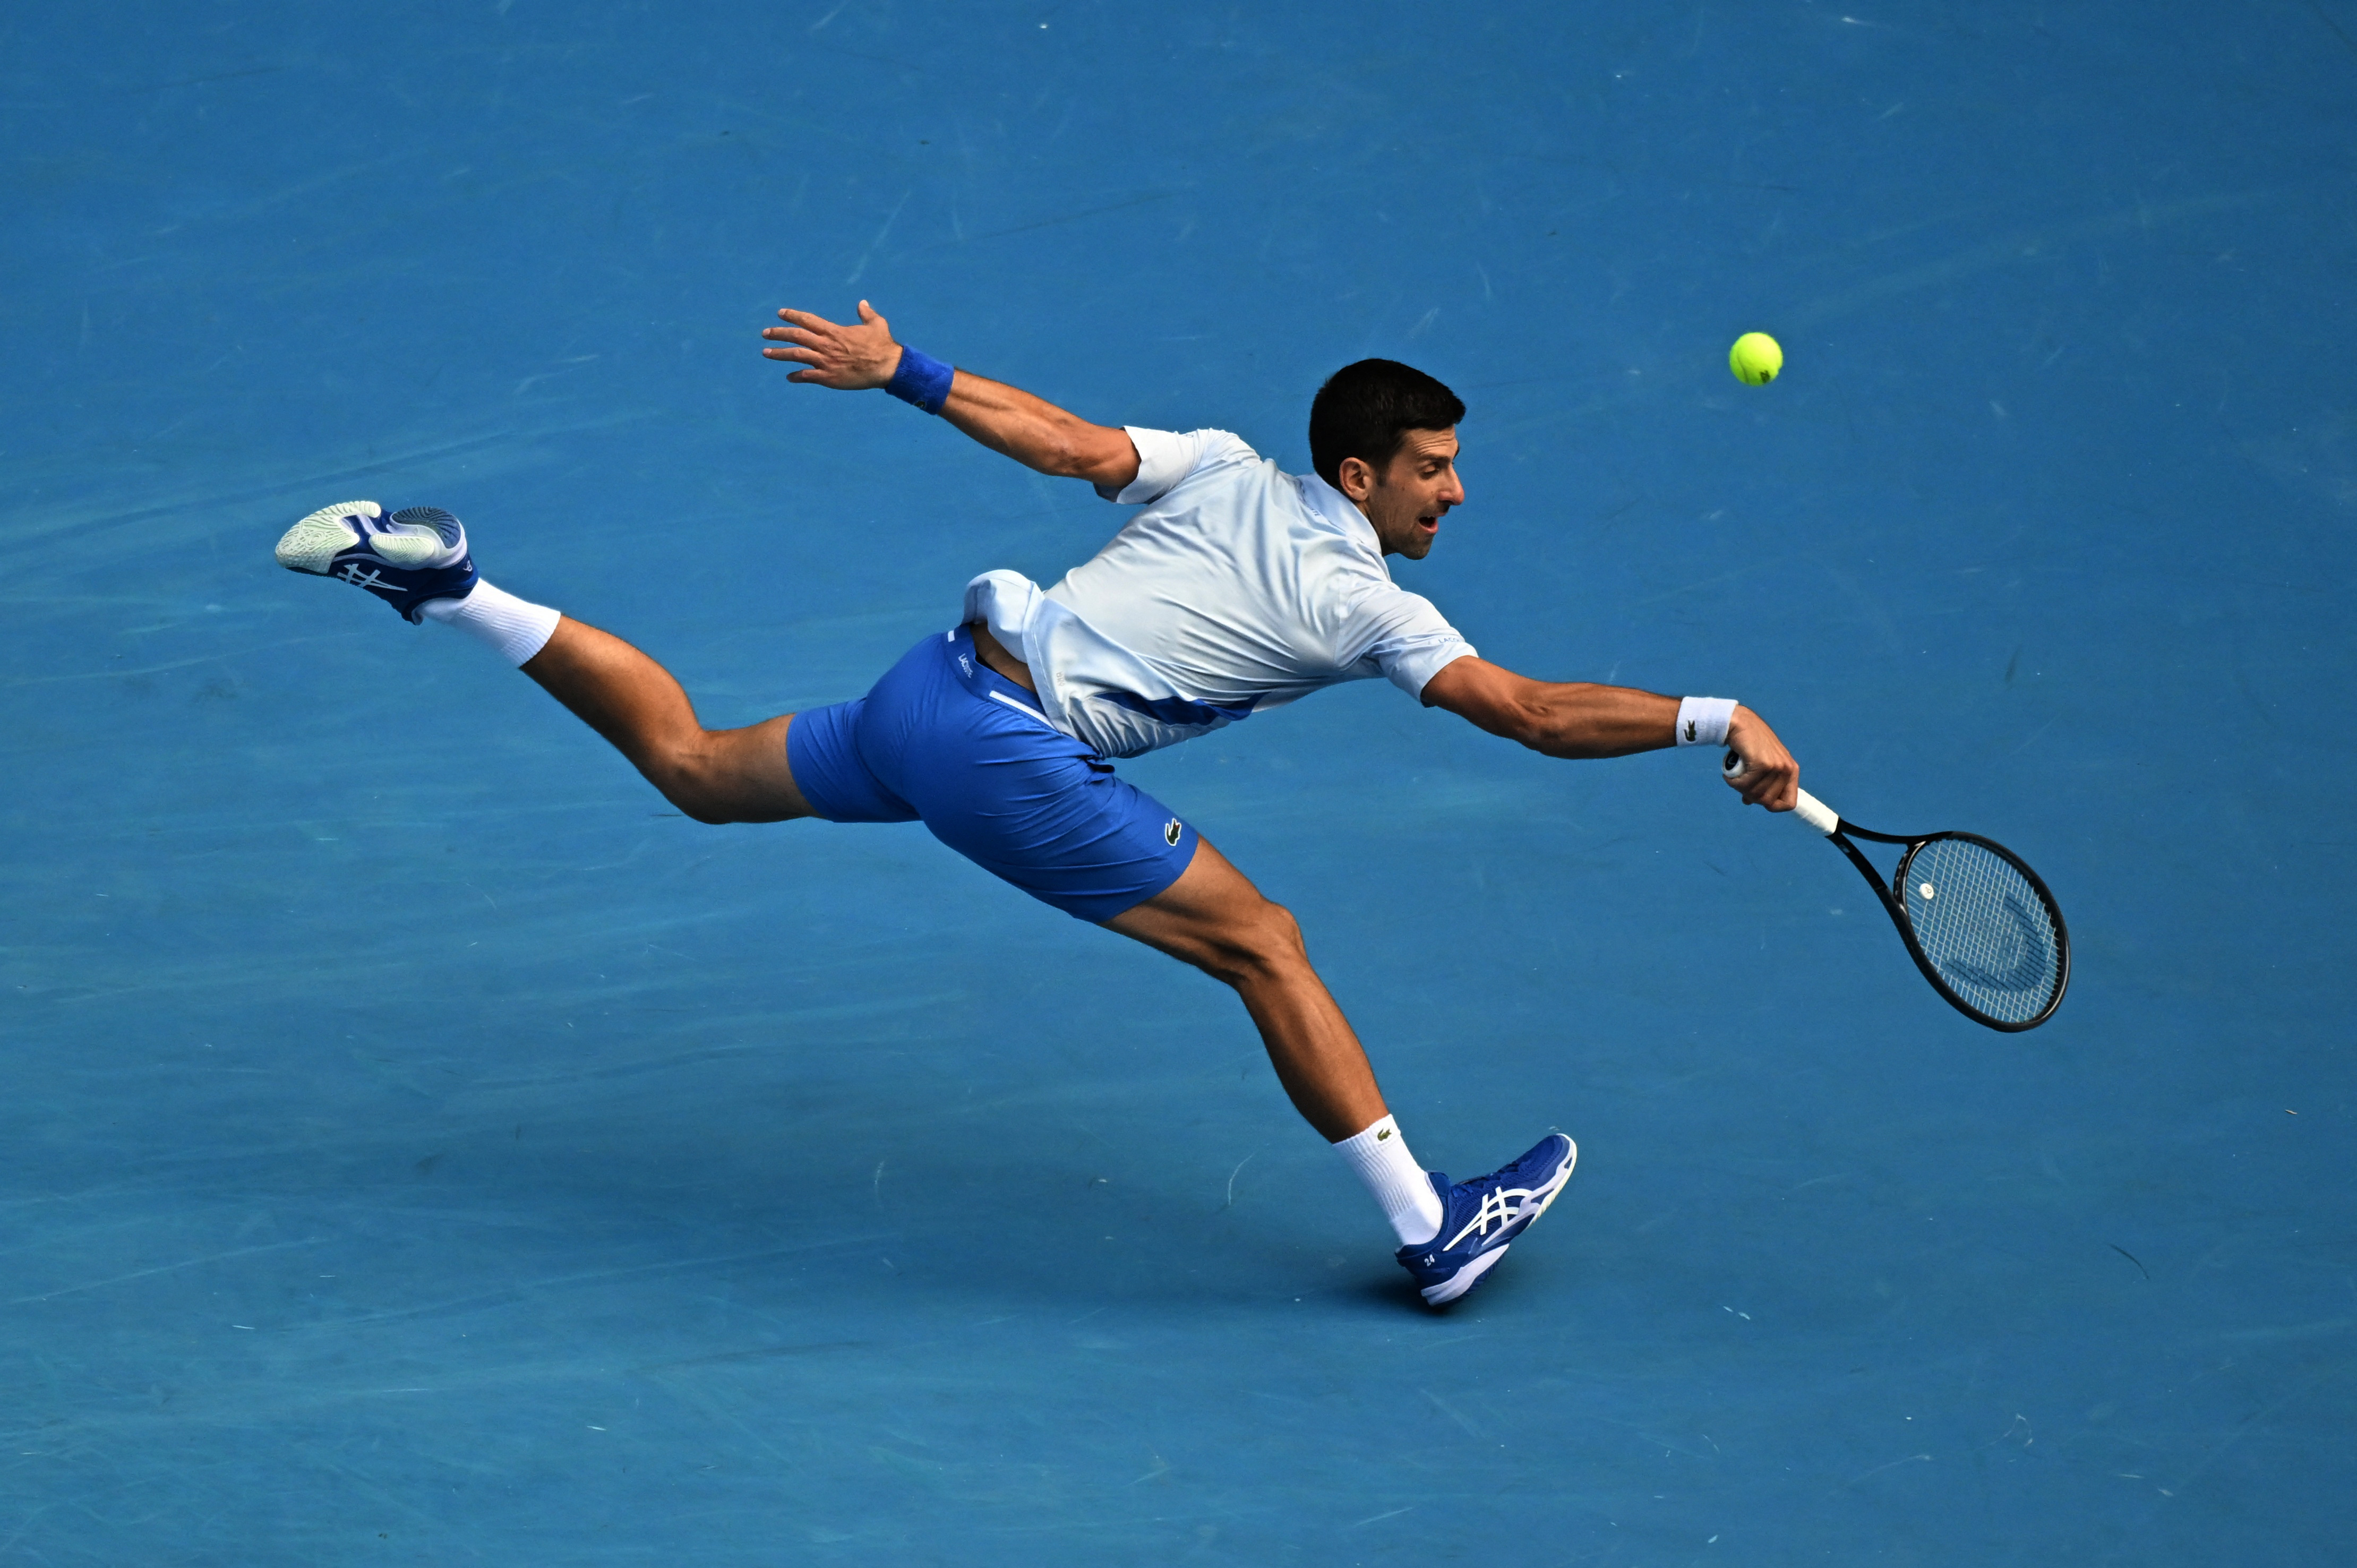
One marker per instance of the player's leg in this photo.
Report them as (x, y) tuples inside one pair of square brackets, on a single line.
[(714, 776), (944, 737), (1451, 1234), (417, 561), (1214, 919)]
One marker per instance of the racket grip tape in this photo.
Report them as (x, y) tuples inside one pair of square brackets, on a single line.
[(1809, 809)]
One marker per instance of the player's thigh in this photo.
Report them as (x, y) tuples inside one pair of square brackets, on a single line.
[(1212, 917), (751, 776)]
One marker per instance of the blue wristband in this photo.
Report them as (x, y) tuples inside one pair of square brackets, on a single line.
[(922, 379)]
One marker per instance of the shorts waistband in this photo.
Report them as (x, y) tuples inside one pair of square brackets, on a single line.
[(982, 679)]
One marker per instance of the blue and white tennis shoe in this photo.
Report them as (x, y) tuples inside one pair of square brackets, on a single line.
[(1479, 1218), (417, 555)]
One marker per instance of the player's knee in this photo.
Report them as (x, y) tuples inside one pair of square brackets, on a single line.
[(1257, 945), (1280, 933), (691, 786), (698, 806)]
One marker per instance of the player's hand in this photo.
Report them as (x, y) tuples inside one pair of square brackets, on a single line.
[(848, 357), (1770, 778)]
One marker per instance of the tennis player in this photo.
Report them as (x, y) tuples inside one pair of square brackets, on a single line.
[(1236, 588)]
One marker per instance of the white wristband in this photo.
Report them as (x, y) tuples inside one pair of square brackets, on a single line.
[(1703, 721)]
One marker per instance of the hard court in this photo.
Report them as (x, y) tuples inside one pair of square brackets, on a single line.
[(419, 1145)]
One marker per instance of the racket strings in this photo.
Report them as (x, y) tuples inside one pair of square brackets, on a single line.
[(1984, 929)]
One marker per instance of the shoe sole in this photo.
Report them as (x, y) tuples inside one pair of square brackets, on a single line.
[(1466, 1278), (413, 538), (313, 544)]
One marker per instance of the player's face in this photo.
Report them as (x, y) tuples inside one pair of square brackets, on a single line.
[(1412, 494)]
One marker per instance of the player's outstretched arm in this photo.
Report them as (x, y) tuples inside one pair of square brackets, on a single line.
[(861, 355), (1578, 719)]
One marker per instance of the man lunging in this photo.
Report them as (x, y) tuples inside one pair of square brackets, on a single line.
[(1236, 589)]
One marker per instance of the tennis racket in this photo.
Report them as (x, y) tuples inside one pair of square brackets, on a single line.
[(1975, 919)]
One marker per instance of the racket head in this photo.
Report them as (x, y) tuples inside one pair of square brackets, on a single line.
[(1984, 929)]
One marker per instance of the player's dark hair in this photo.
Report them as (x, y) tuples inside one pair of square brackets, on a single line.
[(1366, 410)]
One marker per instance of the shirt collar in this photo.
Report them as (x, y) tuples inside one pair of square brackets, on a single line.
[(1345, 518)]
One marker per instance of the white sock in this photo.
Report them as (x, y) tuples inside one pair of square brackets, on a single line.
[(1379, 1154), (516, 627)]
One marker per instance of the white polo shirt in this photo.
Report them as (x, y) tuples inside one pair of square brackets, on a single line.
[(1239, 588)]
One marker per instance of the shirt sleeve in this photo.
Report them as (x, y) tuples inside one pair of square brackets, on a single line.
[(1165, 459), (1405, 638)]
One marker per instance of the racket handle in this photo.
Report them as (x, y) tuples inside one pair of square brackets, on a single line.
[(1809, 809)]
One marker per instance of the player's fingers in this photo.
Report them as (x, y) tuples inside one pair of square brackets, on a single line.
[(868, 313), (1766, 785), (805, 319)]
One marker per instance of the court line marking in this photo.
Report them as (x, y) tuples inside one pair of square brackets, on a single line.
[(164, 1269), (174, 664)]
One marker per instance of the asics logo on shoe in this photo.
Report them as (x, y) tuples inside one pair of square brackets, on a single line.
[(1500, 1205), (361, 574)]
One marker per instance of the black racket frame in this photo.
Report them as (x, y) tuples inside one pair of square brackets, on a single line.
[(1896, 908)]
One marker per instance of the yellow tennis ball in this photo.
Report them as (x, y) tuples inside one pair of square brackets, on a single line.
[(1755, 359)]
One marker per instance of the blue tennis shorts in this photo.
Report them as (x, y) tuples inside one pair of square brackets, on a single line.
[(945, 740)]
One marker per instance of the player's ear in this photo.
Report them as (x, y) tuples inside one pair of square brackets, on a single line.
[(1358, 477)]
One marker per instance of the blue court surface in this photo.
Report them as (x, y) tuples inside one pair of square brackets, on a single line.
[(421, 1145)]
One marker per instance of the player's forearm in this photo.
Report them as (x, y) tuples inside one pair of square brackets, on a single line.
[(1036, 433), (1560, 718), (864, 355), (1579, 719)]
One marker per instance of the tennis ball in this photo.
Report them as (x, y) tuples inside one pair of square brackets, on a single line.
[(1755, 359)]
